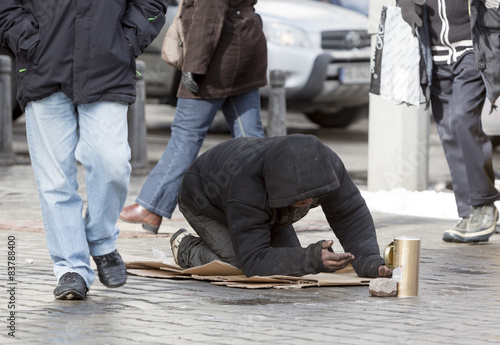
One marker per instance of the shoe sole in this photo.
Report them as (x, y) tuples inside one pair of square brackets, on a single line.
[(115, 285), (457, 236), (71, 295), (146, 226)]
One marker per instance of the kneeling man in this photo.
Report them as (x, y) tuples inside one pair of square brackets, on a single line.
[(242, 196)]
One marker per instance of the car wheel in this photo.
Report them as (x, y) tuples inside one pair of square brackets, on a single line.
[(340, 119)]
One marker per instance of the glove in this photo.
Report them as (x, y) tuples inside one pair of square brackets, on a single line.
[(190, 83), (411, 11)]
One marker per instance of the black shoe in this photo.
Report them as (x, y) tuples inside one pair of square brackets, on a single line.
[(71, 286), (111, 269)]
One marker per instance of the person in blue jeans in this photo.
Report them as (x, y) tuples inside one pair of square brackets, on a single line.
[(225, 62), (75, 82)]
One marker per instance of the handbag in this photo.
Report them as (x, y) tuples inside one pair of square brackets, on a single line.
[(395, 67), (172, 49)]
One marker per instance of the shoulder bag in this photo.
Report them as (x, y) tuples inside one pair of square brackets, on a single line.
[(172, 50)]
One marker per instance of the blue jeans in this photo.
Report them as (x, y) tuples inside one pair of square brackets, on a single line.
[(192, 120), (59, 134)]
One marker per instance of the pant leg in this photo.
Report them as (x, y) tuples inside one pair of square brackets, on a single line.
[(104, 151), (477, 148), (213, 243), (51, 127), (192, 120), (457, 98), (242, 113)]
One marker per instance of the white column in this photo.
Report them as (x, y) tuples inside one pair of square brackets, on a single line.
[(398, 135)]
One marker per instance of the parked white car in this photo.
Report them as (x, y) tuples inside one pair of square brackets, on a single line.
[(361, 6), (325, 52)]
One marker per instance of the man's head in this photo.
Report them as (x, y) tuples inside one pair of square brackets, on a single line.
[(298, 167)]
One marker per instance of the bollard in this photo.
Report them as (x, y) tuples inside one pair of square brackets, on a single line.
[(137, 125), (6, 154), (277, 105)]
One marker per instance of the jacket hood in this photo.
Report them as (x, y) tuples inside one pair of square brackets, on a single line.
[(298, 167)]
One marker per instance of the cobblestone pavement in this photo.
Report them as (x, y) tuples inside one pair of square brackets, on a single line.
[(458, 303)]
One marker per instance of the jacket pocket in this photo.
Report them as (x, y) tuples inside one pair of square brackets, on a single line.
[(24, 64), (142, 25)]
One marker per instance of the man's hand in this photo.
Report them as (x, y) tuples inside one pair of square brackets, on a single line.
[(384, 271), (411, 11), (190, 83), (334, 261)]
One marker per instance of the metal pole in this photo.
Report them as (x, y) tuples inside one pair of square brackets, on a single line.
[(277, 104), (137, 126), (6, 155)]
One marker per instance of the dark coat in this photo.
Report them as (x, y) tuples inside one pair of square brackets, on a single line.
[(224, 42), (84, 48), (251, 183), (486, 38)]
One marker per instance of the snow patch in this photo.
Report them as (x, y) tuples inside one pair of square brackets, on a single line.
[(400, 201)]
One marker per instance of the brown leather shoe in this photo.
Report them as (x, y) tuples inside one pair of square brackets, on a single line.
[(137, 214)]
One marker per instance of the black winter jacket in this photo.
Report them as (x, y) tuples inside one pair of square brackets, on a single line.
[(84, 48), (251, 183), (486, 38)]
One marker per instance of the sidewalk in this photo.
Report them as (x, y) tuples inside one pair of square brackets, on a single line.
[(458, 303)]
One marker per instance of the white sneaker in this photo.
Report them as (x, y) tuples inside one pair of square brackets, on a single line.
[(477, 228), (175, 242)]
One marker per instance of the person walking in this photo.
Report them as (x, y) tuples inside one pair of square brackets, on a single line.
[(242, 197), (75, 65), (457, 96), (225, 62)]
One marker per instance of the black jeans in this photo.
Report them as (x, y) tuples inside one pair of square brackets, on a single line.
[(214, 242)]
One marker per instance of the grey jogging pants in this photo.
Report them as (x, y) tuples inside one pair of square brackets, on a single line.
[(457, 99)]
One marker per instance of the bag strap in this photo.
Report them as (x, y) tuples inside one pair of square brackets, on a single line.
[(179, 9)]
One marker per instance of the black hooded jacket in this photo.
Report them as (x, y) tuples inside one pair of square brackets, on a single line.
[(251, 183), (84, 48), (485, 22)]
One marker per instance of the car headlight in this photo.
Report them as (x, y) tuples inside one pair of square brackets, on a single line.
[(286, 35)]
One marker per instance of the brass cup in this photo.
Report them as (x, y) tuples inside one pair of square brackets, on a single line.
[(403, 256)]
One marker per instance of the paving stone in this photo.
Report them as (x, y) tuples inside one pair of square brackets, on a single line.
[(383, 287)]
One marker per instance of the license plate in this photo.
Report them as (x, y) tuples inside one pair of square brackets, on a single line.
[(355, 74)]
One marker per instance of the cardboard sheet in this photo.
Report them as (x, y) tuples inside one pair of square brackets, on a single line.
[(221, 273)]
